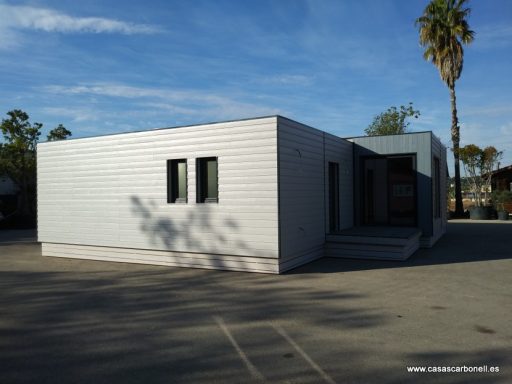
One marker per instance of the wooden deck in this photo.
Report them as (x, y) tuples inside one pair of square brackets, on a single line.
[(374, 242), (379, 231)]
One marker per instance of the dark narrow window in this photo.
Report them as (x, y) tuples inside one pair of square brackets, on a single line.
[(334, 197), (207, 180), (370, 199), (436, 180), (177, 181)]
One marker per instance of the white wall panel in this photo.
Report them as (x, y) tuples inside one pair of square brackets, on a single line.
[(111, 191), (303, 156)]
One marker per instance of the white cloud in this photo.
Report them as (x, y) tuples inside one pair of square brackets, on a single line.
[(75, 114), (8, 38), (169, 107), (289, 79), (127, 91), (489, 110), (200, 104), (493, 36), (506, 129), (13, 18)]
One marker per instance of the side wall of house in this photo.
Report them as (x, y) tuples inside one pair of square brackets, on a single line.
[(304, 153), (439, 223), (414, 143), (340, 151), (105, 198)]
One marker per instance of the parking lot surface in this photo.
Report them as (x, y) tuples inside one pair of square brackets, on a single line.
[(331, 321)]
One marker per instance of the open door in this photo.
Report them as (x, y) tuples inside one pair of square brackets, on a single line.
[(389, 190), (402, 190)]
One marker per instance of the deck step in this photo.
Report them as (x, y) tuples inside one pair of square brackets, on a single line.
[(372, 247)]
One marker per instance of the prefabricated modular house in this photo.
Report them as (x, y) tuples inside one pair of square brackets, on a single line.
[(264, 195)]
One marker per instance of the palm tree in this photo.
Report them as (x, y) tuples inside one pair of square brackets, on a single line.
[(443, 30)]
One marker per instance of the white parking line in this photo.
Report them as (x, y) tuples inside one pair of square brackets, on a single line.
[(250, 366), (304, 355)]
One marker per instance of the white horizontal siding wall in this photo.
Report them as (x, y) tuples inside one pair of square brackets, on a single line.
[(111, 191), (303, 156)]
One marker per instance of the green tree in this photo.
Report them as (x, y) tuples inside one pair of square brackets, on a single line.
[(58, 133), (443, 30), (392, 122), (478, 165), (17, 155)]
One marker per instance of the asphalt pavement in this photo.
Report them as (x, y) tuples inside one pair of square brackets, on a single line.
[(331, 321)]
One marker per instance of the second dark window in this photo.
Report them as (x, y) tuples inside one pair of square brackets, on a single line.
[(207, 180)]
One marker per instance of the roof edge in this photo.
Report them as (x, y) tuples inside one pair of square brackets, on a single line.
[(164, 128), (394, 134)]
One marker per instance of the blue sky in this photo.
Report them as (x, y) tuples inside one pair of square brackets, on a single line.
[(107, 66)]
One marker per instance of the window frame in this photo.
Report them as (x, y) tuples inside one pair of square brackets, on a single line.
[(173, 182), (202, 180), (436, 187)]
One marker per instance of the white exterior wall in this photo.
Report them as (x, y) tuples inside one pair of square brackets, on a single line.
[(304, 153), (111, 191)]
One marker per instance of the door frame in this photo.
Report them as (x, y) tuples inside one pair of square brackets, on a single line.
[(362, 186)]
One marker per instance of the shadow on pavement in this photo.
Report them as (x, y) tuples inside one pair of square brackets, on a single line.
[(119, 323), (73, 321), (464, 242)]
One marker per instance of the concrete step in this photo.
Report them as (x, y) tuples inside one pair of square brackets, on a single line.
[(366, 240), (372, 247)]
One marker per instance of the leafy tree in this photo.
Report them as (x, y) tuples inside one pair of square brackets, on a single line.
[(392, 122), (478, 165), (17, 155), (443, 30), (58, 133)]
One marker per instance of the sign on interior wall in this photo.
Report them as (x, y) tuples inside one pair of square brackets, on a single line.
[(403, 190)]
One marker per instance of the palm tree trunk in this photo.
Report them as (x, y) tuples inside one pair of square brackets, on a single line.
[(459, 208)]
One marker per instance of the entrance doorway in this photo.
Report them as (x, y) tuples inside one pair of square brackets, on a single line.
[(389, 190)]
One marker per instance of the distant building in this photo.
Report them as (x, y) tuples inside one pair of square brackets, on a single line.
[(501, 179)]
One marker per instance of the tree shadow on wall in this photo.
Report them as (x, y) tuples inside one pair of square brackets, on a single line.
[(198, 231)]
